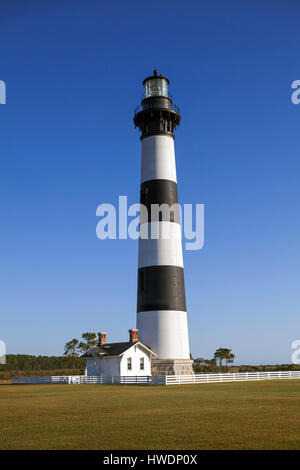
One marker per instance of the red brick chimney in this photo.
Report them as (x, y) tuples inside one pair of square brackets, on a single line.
[(102, 338), (133, 335)]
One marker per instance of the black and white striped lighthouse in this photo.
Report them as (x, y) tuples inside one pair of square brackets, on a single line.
[(161, 304)]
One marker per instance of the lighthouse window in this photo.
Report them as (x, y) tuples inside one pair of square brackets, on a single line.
[(129, 363), (142, 366)]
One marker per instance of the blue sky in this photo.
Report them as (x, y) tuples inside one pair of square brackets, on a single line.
[(73, 72)]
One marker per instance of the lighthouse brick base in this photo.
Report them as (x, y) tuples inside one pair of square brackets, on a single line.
[(172, 367)]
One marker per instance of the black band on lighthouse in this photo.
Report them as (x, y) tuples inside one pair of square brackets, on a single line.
[(158, 192), (161, 288)]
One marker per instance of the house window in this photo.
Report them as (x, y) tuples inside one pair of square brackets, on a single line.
[(142, 364), (129, 363)]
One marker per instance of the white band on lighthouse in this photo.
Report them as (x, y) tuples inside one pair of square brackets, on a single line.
[(159, 251), (166, 331), (158, 158)]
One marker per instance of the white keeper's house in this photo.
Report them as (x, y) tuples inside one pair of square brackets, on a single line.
[(119, 359)]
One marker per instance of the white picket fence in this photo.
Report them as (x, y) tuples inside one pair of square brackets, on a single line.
[(64, 379), (127, 380), (82, 379), (230, 377), (156, 380)]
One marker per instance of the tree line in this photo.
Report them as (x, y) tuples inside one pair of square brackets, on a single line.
[(70, 359), (28, 362), (75, 348)]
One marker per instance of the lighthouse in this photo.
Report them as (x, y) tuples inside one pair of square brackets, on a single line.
[(161, 302)]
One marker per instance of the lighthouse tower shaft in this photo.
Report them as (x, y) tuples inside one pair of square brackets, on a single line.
[(161, 303)]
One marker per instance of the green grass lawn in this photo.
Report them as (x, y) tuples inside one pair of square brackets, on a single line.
[(249, 415)]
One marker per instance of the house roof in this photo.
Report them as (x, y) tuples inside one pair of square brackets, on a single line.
[(113, 349)]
